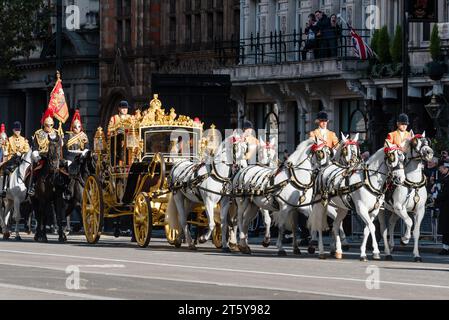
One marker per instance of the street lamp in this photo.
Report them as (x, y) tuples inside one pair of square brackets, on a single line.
[(434, 111)]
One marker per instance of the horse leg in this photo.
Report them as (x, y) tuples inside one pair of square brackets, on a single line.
[(224, 209), (17, 218), (242, 213), (401, 211), (341, 214), (182, 218), (384, 232), (419, 215), (372, 230), (209, 205), (267, 222), (60, 213), (317, 224), (5, 227)]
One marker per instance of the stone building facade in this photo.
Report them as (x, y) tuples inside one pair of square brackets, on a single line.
[(27, 99), (166, 47), (277, 87)]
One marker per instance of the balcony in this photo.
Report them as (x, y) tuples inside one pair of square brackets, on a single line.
[(285, 56)]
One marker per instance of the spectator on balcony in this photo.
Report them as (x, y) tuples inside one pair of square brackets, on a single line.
[(336, 36), (311, 42), (324, 33)]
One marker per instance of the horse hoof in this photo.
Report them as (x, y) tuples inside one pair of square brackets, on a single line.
[(364, 259), (297, 251), (178, 244), (18, 238), (333, 253), (338, 255), (117, 233), (202, 240), (345, 247), (6, 235), (404, 243), (234, 247), (418, 259), (266, 244), (389, 257), (311, 250), (376, 256), (192, 248), (226, 250), (322, 257), (282, 253), (36, 238), (62, 239), (244, 250)]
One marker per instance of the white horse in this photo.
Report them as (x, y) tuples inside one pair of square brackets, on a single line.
[(361, 189), (15, 195), (208, 183), (408, 197), (281, 190)]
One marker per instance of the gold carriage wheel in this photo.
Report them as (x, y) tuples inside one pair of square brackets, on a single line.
[(172, 235), (92, 209), (143, 220), (158, 161)]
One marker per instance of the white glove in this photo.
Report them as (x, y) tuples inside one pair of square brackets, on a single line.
[(85, 151), (36, 156), (18, 154)]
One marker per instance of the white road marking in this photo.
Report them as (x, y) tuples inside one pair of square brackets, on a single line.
[(221, 284), (423, 285), (57, 292)]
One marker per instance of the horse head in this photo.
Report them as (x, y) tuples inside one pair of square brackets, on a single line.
[(394, 160), (349, 151), (54, 153), (321, 153), (420, 145)]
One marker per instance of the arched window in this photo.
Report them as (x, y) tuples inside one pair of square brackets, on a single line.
[(271, 121), (353, 119)]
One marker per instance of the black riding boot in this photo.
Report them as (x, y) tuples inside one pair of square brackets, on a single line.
[(5, 185)]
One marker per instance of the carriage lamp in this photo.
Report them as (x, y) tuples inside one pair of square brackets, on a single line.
[(434, 111), (99, 141)]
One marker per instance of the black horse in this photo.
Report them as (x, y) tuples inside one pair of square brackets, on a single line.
[(49, 187), (81, 168)]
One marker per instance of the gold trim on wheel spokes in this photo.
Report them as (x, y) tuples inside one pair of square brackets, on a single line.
[(143, 222), (92, 210)]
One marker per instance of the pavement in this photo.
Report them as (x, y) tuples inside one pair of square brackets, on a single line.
[(116, 269)]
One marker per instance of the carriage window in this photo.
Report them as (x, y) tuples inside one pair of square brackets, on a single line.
[(171, 142)]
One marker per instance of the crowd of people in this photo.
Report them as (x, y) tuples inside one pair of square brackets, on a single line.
[(437, 173), (323, 35)]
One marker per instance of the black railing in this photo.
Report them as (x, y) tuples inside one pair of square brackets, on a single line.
[(282, 48)]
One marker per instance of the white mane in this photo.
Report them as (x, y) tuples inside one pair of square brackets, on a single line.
[(300, 151)]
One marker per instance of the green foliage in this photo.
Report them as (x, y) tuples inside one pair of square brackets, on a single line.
[(383, 46), (396, 46), (21, 22), (375, 40), (440, 144), (435, 44)]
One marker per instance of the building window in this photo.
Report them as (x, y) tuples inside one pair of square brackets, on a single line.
[(172, 30), (219, 26), (210, 27), (124, 22), (188, 29), (353, 119), (426, 31), (197, 28)]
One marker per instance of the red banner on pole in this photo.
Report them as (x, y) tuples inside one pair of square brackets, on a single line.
[(58, 103)]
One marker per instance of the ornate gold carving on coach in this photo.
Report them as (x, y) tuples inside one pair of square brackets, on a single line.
[(156, 115)]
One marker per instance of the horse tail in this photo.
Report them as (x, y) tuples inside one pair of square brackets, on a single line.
[(171, 214), (317, 220)]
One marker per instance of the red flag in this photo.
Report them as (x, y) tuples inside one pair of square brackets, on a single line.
[(58, 103)]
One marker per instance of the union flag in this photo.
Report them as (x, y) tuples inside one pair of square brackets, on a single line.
[(58, 103)]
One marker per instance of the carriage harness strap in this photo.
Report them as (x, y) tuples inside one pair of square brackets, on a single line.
[(414, 187)]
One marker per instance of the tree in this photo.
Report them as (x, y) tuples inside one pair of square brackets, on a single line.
[(396, 47), (435, 44), (383, 46), (21, 22), (375, 40)]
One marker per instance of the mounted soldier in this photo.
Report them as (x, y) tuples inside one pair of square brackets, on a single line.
[(16, 146), (41, 139), (76, 143), (401, 134), (323, 133)]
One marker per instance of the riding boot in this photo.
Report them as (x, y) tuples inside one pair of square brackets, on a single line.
[(5, 185), (31, 191)]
